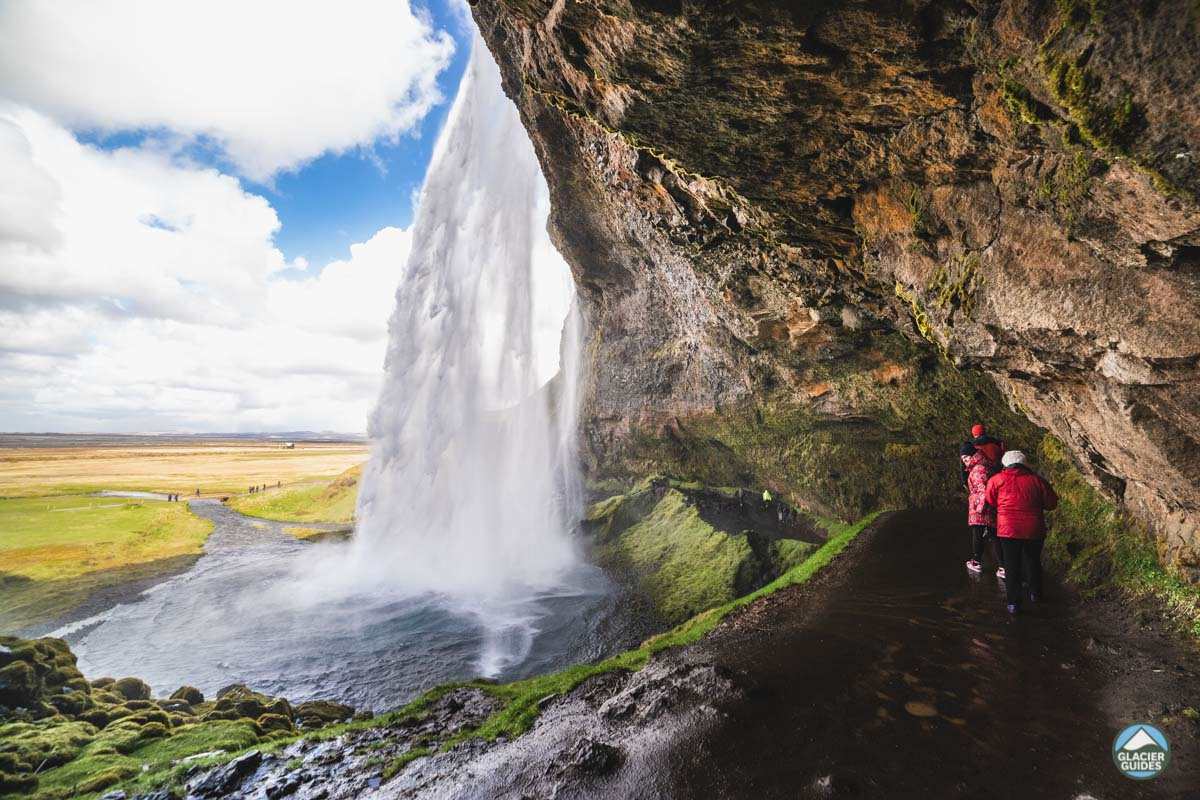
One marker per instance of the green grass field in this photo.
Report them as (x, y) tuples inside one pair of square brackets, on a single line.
[(324, 501), (56, 551)]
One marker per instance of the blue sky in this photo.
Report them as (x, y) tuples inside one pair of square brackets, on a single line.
[(337, 200), (341, 199)]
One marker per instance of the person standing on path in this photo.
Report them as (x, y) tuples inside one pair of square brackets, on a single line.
[(981, 518), (1020, 498)]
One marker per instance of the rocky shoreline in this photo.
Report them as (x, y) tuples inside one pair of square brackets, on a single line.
[(65, 736)]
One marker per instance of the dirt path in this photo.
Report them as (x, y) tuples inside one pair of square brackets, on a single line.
[(909, 679)]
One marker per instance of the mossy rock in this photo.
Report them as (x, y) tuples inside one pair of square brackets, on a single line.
[(146, 716), (44, 744), (189, 694), (109, 698), (71, 703), (245, 702), (176, 707), (126, 736), (318, 713), (274, 722), (104, 779), (132, 688), (98, 716), (689, 548), (19, 684), (17, 783), (140, 705), (103, 683)]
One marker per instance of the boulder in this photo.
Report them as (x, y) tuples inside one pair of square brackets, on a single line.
[(132, 688), (19, 684), (318, 713), (274, 722), (223, 780), (189, 694), (594, 757)]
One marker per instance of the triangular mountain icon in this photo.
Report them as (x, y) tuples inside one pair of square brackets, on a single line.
[(1139, 740)]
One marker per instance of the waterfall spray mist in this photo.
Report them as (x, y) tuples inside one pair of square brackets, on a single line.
[(463, 562), (470, 488)]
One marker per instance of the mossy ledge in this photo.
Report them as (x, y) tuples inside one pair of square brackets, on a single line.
[(686, 547)]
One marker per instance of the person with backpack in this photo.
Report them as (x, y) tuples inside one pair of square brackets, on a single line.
[(981, 520), (1020, 498)]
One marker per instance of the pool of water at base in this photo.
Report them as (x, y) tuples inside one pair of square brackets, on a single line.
[(242, 614)]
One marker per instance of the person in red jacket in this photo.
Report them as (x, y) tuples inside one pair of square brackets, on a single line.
[(981, 520), (1021, 499)]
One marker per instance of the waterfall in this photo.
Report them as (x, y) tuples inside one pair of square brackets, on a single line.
[(471, 488), (463, 561)]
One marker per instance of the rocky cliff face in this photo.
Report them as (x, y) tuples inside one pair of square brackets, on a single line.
[(816, 240)]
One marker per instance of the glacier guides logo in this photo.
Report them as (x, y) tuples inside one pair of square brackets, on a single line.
[(1141, 752)]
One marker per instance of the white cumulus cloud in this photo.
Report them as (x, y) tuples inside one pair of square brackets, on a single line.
[(138, 292), (270, 83)]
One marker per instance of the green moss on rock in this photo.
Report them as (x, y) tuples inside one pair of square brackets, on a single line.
[(1101, 548), (898, 450), (682, 562), (688, 547)]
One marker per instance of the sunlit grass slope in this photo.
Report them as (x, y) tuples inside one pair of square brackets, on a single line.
[(56, 551), (324, 501)]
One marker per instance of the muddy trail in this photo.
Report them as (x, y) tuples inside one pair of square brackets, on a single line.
[(908, 677), (893, 673)]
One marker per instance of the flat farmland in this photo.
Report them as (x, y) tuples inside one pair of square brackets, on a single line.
[(213, 467)]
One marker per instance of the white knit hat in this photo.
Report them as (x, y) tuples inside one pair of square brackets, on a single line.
[(1012, 457)]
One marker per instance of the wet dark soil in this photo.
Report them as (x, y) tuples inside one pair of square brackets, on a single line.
[(909, 678)]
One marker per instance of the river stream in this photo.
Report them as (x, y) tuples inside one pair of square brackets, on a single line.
[(250, 612)]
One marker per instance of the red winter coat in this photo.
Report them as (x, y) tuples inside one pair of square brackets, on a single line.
[(1021, 497), (979, 468)]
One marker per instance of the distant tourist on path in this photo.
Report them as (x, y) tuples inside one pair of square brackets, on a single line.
[(1021, 499), (981, 519)]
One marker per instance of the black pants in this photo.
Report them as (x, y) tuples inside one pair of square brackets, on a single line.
[(980, 535), (1022, 562)]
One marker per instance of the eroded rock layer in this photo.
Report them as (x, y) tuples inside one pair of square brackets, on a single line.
[(841, 218)]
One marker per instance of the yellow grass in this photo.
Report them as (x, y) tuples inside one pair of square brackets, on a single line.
[(49, 538), (214, 468), (58, 552), (59, 546)]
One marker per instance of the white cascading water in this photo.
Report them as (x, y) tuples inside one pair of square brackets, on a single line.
[(463, 557), (470, 488)]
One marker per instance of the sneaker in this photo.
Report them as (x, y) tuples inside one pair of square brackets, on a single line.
[(974, 566), (1013, 609), (1000, 573)]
